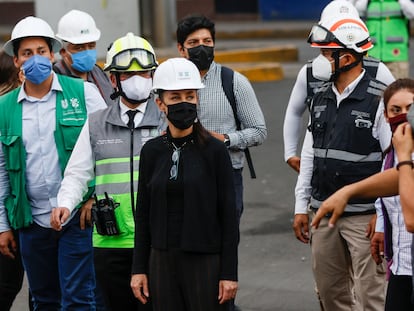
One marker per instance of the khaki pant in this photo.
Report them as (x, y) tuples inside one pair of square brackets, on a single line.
[(346, 276), (399, 69)]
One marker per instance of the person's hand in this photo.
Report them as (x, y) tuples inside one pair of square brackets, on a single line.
[(294, 162), (8, 244), (58, 217), (369, 232), (402, 141), (334, 205), (301, 227), (377, 247), (86, 214), (139, 285), (227, 290)]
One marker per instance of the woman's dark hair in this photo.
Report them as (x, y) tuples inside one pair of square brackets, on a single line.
[(397, 85), (192, 23), (9, 74), (201, 135)]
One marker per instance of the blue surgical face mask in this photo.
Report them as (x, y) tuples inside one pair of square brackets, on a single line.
[(37, 69), (84, 61)]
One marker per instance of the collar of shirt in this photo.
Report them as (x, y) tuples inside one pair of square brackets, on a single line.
[(348, 90), (213, 67), (138, 117), (55, 87)]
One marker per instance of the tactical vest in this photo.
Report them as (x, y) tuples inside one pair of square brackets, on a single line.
[(70, 117), (111, 143), (388, 29), (345, 150)]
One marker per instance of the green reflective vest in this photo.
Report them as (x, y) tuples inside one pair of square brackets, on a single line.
[(70, 117), (389, 31)]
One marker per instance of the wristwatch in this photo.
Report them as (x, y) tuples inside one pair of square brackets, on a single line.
[(226, 140)]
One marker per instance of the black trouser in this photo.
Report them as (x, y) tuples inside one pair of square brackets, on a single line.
[(113, 275), (181, 281), (11, 278), (399, 293)]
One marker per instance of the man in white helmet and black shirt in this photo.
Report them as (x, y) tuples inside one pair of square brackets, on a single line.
[(306, 85)]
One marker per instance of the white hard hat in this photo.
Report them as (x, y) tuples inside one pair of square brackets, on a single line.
[(77, 27), (177, 74), (337, 8), (32, 27), (343, 32)]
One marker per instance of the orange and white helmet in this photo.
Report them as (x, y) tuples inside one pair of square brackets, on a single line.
[(345, 32)]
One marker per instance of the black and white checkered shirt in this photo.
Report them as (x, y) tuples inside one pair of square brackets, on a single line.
[(216, 114)]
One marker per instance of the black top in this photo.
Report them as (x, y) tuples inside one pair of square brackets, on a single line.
[(209, 218)]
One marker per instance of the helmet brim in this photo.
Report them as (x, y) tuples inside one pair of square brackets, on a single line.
[(81, 40), (8, 46)]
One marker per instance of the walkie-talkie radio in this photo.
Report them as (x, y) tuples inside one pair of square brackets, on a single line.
[(103, 215)]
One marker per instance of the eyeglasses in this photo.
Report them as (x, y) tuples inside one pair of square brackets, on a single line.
[(175, 158), (123, 60)]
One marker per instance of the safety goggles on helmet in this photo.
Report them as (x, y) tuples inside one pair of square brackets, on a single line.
[(124, 59), (321, 35)]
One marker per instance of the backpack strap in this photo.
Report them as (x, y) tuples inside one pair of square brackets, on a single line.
[(227, 77)]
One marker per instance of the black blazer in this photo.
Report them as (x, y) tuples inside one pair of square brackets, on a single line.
[(210, 220)]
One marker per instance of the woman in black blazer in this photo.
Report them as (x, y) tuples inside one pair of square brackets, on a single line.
[(186, 237)]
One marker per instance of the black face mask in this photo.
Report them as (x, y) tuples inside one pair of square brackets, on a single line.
[(201, 56), (182, 115)]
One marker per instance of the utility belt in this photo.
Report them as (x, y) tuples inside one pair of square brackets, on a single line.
[(344, 214)]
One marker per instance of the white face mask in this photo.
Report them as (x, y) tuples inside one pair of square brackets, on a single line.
[(137, 87), (322, 68)]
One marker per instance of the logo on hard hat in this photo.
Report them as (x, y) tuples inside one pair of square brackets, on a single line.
[(350, 37), (343, 9), (84, 31), (183, 75)]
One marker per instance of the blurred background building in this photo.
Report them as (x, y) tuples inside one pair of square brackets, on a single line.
[(155, 19)]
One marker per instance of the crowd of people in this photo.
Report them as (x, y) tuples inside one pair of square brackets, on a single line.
[(134, 169), (121, 187)]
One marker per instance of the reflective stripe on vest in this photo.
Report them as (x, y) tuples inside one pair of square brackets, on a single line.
[(347, 156)]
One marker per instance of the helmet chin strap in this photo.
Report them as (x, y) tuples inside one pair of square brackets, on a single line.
[(119, 92), (338, 70)]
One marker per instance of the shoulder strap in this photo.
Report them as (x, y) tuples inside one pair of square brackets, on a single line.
[(371, 65), (227, 77)]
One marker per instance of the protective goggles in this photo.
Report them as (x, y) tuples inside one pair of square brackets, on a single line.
[(321, 35), (124, 59)]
